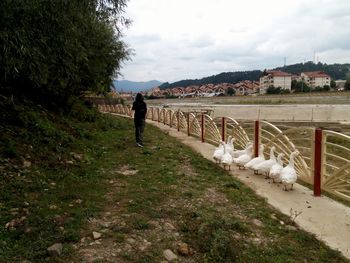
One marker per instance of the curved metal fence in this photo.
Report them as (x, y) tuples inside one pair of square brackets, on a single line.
[(324, 156)]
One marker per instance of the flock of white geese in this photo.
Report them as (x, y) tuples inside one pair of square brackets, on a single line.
[(273, 167)]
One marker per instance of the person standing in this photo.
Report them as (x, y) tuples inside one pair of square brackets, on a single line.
[(140, 108)]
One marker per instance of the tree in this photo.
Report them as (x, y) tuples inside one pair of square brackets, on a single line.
[(347, 84), (299, 86), (273, 90), (333, 84), (231, 91), (53, 50)]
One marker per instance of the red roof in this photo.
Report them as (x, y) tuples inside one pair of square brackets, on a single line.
[(316, 74), (278, 73)]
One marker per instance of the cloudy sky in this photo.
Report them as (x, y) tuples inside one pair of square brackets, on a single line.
[(186, 39)]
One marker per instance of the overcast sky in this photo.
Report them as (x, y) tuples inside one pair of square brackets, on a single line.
[(186, 39)]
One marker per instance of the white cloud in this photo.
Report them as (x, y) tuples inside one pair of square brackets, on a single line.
[(180, 39)]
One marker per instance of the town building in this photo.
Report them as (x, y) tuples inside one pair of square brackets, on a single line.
[(316, 79), (246, 87), (275, 78)]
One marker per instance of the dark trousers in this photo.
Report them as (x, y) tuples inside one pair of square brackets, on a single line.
[(139, 128)]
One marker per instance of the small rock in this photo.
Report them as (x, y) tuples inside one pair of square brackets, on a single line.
[(69, 162), (130, 240), (76, 156), (169, 227), (128, 247), (142, 248), (256, 241), (105, 224), (257, 222), (183, 249), (15, 223), (273, 216), (281, 222), (96, 235), (27, 164), (169, 255), (289, 227), (55, 249)]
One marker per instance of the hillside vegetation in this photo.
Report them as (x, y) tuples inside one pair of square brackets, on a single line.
[(52, 52)]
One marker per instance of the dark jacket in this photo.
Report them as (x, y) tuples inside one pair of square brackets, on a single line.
[(140, 108)]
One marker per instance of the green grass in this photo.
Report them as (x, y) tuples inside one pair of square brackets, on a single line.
[(209, 210)]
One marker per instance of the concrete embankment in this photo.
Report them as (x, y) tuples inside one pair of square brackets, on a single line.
[(297, 112)]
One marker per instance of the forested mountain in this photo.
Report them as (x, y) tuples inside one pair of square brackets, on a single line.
[(336, 71), (225, 77)]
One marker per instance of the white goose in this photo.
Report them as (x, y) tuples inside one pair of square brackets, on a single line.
[(257, 160), (230, 147), (244, 158), (218, 152), (265, 166), (276, 169), (226, 158), (237, 153), (288, 174)]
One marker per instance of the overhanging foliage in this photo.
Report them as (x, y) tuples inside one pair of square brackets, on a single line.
[(53, 50)]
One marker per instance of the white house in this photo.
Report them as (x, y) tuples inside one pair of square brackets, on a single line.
[(276, 79)]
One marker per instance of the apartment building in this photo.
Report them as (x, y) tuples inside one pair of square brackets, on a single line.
[(276, 79), (316, 79)]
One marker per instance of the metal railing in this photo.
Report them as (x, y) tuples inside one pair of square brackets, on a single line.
[(323, 162)]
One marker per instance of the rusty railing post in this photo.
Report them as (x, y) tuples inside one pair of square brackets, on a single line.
[(256, 138), (164, 115), (170, 118), (223, 128), (202, 127), (178, 120), (188, 123), (317, 162), (158, 114)]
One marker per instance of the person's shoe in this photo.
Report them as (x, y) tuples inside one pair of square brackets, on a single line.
[(139, 145)]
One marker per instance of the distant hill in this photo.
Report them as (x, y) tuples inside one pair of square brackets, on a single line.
[(127, 85), (336, 71)]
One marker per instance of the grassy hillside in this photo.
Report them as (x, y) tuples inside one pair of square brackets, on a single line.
[(50, 176), (63, 177)]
